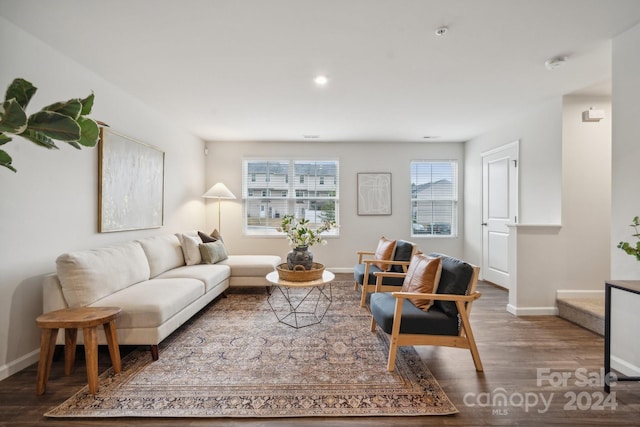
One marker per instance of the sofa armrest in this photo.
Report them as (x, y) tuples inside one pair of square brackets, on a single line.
[(52, 297)]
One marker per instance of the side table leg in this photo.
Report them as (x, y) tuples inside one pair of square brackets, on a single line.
[(70, 340), (91, 356), (47, 347), (112, 342)]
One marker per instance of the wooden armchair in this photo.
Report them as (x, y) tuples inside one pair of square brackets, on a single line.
[(445, 323), (368, 265)]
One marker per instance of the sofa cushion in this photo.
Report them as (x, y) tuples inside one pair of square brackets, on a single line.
[(251, 265), (190, 243), (403, 252), (384, 251), (414, 320), (163, 253), (209, 274), (358, 276), (213, 252), (87, 276), (150, 303), (422, 277), (206, 238), (454, 279)]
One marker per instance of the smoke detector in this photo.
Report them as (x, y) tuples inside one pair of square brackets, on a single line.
[(555, 62), (441, 31)]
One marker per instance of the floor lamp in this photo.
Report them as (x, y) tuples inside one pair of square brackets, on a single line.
[(219, 191)]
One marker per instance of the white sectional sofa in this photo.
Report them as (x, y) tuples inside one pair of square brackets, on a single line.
[(159, 282)]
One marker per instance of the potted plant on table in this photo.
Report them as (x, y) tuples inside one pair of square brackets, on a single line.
[(301, 235)]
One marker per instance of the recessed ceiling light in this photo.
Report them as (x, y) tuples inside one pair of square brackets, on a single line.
[(321, 80)]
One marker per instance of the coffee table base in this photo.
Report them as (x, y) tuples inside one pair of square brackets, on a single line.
[(300, 307)]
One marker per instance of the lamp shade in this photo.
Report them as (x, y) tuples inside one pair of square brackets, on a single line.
[(219, 191)]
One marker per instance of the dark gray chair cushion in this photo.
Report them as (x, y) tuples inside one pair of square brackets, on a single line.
[(358, 276), (402, 253), (455, 278), (414, 320)]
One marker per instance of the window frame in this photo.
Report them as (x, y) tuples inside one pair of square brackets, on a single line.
[(303, 192), (439, 221)]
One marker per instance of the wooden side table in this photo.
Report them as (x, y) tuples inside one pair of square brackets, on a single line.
[(87, 318)]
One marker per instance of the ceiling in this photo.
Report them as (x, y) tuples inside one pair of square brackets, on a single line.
[(243, 69)]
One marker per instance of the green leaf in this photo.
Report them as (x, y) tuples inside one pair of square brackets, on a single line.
[(74, 144), (4, 138), (87, 104), (54, 125), (22, 91), (39, 138), (71, 108), (5, 160), (13, 119), (89, 131)]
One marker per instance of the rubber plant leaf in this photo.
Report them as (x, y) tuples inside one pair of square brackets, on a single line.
[(4, 139), (89, 132), (5, 160), (54, 125), (70, 108), (39, 138), (87, 105), (13, 119), (22, 91)]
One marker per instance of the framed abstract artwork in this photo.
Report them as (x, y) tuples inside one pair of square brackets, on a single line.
[(131, 184), (374, 193)]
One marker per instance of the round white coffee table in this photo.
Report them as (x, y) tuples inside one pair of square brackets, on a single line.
[(300, 304)]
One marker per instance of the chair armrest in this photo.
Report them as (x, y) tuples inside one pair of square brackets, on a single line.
[(362, 253), (385, 261), (383, 274), (380, 275), (442, 297)]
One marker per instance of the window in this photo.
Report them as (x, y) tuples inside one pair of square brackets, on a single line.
[(434, 198), (274, 188)]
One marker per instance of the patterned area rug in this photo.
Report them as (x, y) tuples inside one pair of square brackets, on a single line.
[(235, 359)]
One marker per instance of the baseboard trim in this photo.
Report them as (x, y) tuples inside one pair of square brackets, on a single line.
[(341, 270), (624, 367), (19, 364), (576, 293), (532, 311)]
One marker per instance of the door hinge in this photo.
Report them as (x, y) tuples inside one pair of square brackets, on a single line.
[(515, 163)]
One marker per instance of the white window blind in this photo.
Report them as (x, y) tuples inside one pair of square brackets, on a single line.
[(434, 198), (303, 188)]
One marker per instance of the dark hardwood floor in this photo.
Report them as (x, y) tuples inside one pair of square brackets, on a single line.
[(525, 359)]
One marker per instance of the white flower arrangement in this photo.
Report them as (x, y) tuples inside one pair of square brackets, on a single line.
[(300, 234)]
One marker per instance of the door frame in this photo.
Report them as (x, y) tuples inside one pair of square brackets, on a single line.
[(513, 197)]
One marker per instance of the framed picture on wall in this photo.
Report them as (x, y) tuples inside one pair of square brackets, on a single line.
[(131, 184), (374, 193)]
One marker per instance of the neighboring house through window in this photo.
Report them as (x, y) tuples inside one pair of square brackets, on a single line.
[(268, 187), (434, 198)]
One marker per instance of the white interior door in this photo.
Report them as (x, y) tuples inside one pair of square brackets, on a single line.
[(499, 208)]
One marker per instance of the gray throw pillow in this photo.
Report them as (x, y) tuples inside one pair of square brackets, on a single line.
[(213, 252)]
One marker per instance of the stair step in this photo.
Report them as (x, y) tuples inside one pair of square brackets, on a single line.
[(585, 312)]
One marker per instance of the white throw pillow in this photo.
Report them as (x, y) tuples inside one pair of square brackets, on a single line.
[(190, 247)]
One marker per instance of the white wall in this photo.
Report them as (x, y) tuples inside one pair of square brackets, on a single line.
[(50, 205), (539, 131), (625, 347), (356, 232), (560, 242)]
